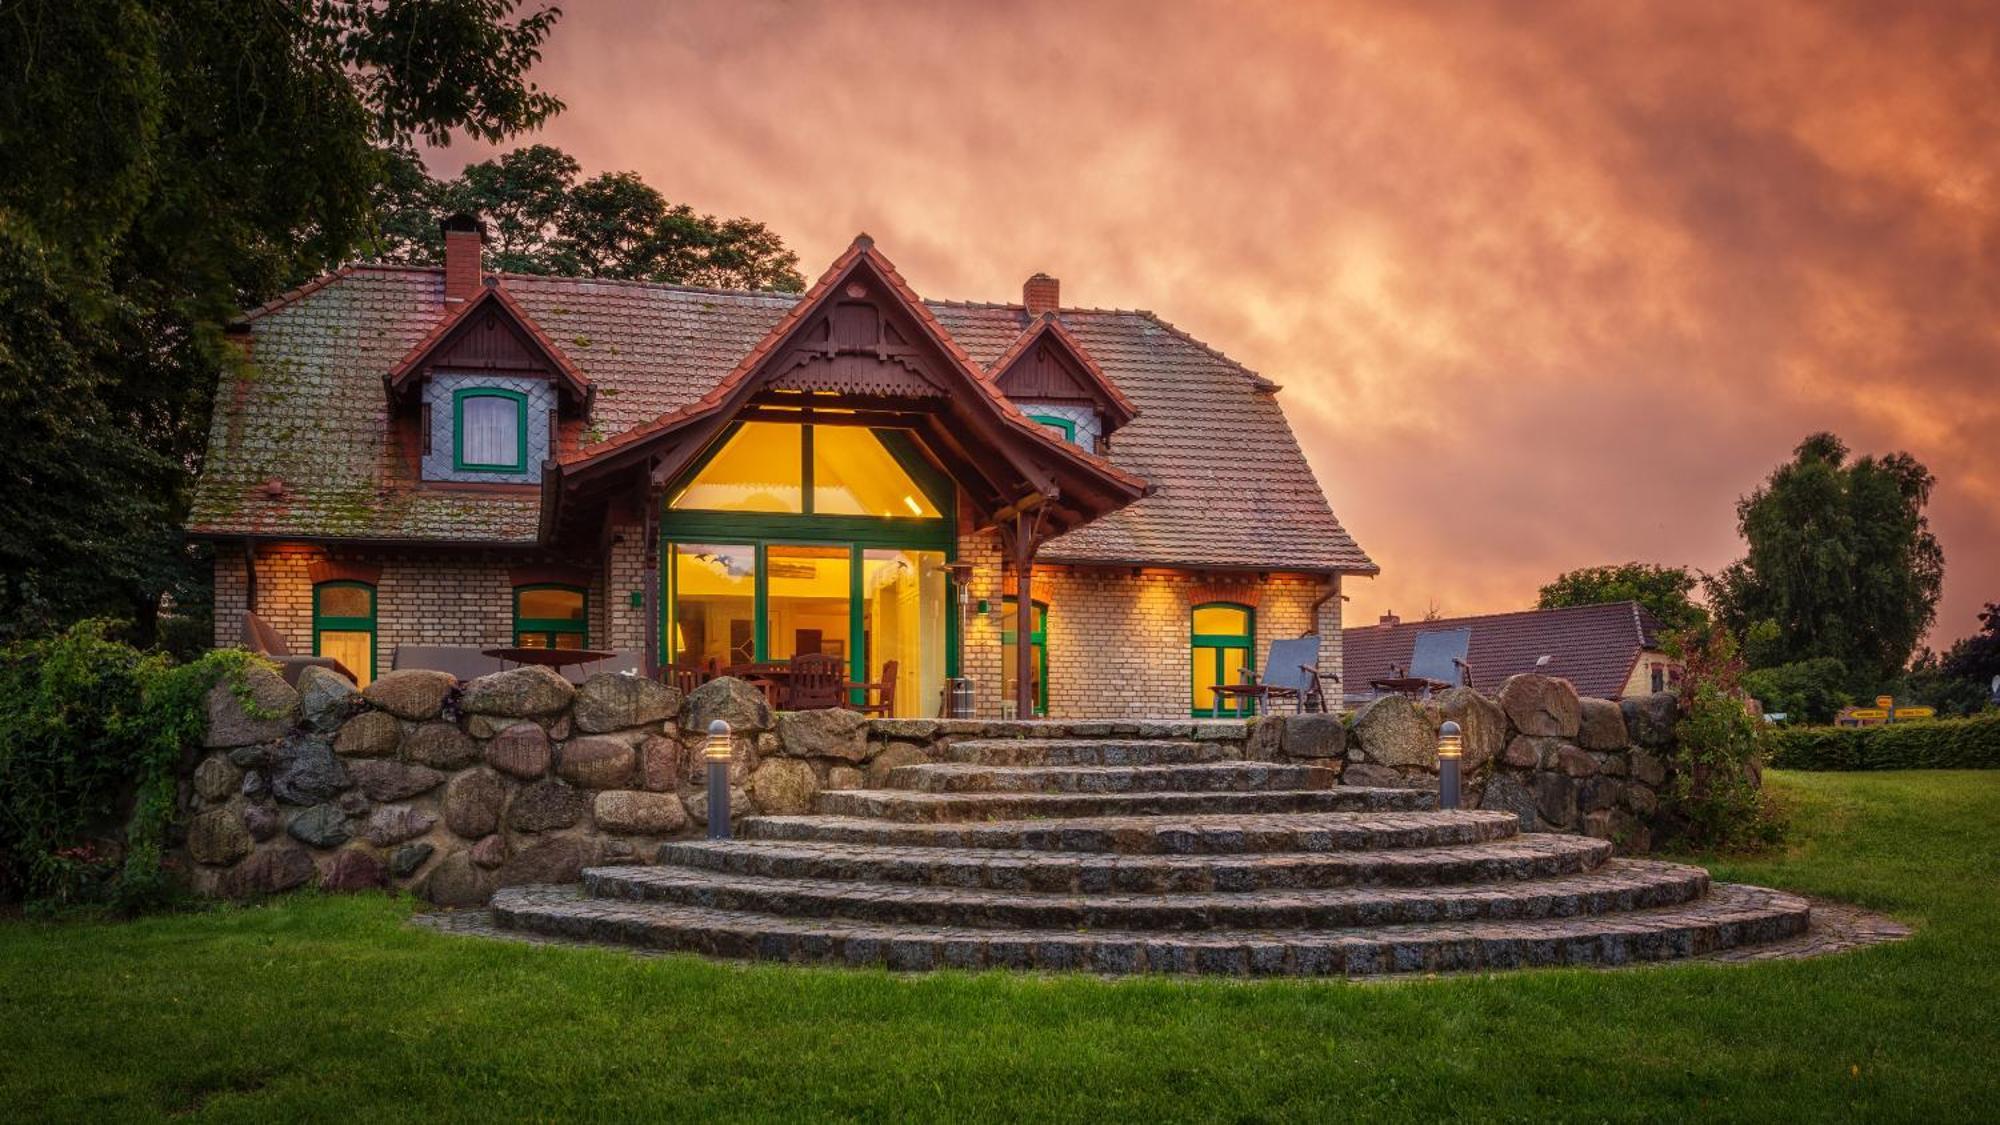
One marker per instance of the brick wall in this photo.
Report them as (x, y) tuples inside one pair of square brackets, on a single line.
[(419, 599), (1118, 643)]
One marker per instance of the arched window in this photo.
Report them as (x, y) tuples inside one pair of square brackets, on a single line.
[(1221, 639), (344, 626), (551, 616), (1038, 636)]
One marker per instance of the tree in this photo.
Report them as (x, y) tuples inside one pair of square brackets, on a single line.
[(1810, 691), (543, 219), (1663, 590), (1960, 682), (164, 164), (1841, 562)]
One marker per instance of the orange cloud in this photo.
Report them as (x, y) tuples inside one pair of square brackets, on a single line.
[(1547, 285)]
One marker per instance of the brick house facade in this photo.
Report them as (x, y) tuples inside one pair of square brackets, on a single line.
[(1133, 472)]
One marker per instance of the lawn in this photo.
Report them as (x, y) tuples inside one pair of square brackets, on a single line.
[(330, 1008)]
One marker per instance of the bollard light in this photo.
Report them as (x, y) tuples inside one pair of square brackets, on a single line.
[(717, 754), (1451, 745)]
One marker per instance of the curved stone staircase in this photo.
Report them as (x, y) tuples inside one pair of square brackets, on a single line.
[(1157, 855)]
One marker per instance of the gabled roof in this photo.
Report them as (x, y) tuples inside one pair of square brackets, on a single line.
[(1592, 646), (1047, 332), (1208, 437), (451, 330)]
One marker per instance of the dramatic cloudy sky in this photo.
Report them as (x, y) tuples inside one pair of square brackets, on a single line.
[(1547, 285)]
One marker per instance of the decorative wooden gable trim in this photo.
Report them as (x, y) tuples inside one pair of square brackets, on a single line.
[(864, 339), (864, 343), (490, 333), (1048, 364)]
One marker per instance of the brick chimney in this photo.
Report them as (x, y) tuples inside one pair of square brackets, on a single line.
[(1042, 294), (1390, 618), (464, 236)]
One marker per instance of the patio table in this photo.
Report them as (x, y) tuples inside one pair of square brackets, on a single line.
[(557, 658)]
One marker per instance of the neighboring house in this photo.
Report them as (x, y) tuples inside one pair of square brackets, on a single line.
[(421, 456), (1608, 651)]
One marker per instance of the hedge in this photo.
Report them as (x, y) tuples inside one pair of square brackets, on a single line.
[(1935, 745)]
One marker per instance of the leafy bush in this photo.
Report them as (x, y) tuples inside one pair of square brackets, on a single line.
[(1944, 744), (1719, 747), (91, 736), (1807, 691)]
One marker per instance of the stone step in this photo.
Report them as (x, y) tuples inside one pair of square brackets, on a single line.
[(894, 804), (1519, 859), (1156, 835), (1207, 777), (1729, 916), (1085, 752), (1617, 887)]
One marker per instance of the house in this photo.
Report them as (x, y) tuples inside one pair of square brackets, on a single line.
[(1607, 651), (425, 456)]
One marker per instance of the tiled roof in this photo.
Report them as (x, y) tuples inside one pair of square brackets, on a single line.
[(1230, 485), (1591, 646)]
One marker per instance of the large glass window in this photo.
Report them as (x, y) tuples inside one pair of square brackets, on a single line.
[(344, 626), (713, 603), (759, 469), (855, 475), (551, 617), (1221, 642), (1038, 638), (765, 467), (806, 601), (489, 430), (903, 599)]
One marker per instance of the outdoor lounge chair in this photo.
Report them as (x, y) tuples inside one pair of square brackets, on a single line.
[(1293, 675), (1437, 661), (260, 638)]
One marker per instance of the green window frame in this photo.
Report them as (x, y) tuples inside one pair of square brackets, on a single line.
[(322, 623), (1038, 638), (1067, 426), (458, 400), (549, 627), (1214, 646)]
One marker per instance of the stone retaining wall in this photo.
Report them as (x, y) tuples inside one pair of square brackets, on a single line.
[(454, 790)]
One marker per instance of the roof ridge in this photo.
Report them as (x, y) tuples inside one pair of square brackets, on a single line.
[(1626, 603), (1176, 330), (641, 283)]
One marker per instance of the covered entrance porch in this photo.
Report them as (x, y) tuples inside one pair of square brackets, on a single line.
[(816, 501)]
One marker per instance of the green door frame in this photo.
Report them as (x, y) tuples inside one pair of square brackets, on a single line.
[(1216, 644), (1039, 638)]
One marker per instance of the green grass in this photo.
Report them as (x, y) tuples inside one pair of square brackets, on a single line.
[(330, 1008)]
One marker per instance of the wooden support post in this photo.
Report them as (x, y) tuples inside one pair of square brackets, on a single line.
[(1024, 618), (654, 498)]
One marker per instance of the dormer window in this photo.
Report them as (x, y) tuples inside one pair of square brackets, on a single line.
[(1064, 428), (489, 430)]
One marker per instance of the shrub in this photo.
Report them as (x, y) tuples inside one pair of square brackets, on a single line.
[(91, 736), (1972, 743), (1719, 745), (1807, 691)]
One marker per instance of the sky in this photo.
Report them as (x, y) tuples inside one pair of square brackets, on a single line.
[(1546, 285)]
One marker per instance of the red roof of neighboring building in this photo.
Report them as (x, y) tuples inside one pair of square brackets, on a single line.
[(1592, 646)]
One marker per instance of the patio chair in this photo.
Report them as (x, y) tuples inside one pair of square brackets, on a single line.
[(260, 638), (816, 683), (885, 689), (1293, 675), (1437, 661), (688, 677)]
